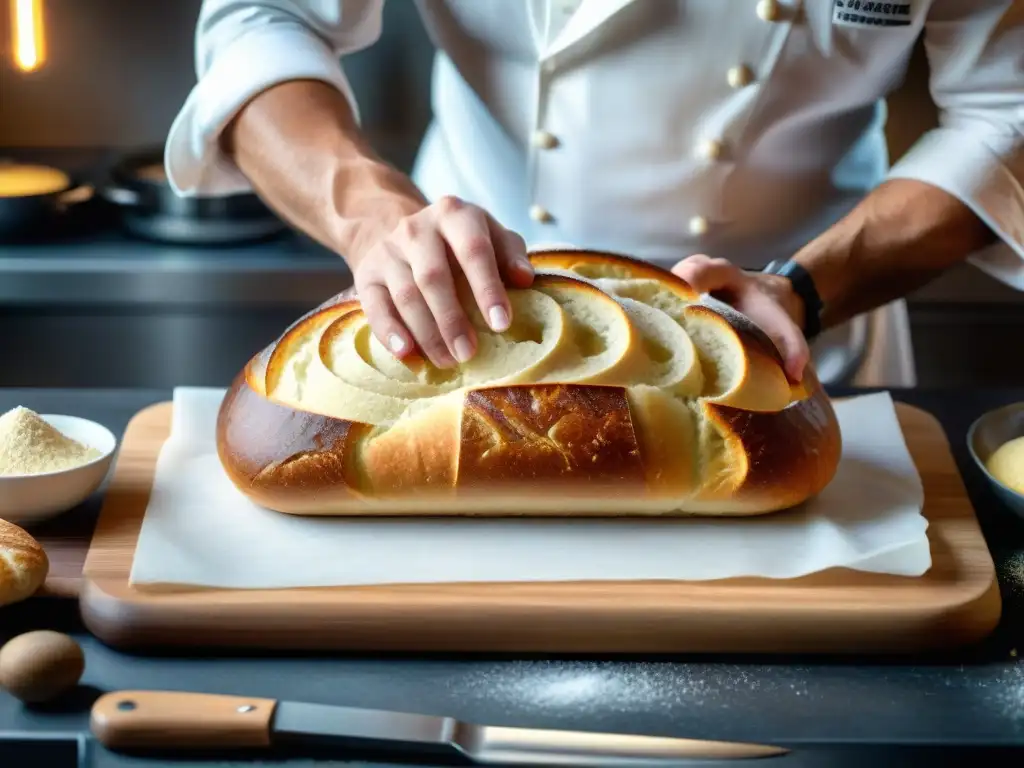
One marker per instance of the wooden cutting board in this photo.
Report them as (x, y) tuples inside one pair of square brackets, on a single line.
[(837, 611)]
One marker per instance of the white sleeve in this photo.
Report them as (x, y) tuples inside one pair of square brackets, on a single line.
[(976, 55), (243, 48)]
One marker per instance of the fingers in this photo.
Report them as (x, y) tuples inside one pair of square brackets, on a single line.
[(779, 326), (385, 320), (423, 288), (707, 275), (744, 291), (410, 289), (417, 316), (513, 260), (468, 235)]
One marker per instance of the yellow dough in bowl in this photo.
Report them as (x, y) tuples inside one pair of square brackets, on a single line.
[(1007, 464), (26, 180)]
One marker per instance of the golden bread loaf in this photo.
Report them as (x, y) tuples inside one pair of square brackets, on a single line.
[(618, 390), (23, 563)]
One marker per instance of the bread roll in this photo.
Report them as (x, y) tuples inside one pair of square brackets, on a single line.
[(616, 391), (23, 564)]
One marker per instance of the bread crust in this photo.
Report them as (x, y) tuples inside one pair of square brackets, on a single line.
[(724, 433), (23, 564)]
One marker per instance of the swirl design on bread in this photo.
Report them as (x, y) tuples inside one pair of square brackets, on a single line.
[(618, 390)]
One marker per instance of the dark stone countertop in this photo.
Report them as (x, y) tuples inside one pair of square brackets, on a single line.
[(834, 711)]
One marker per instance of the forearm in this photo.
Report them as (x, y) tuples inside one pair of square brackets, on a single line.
[(301, 149), (901, 236)]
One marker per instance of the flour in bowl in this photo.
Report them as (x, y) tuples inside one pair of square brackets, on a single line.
[(29, 445)]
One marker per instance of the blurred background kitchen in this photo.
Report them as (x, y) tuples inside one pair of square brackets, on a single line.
[(121, 285)]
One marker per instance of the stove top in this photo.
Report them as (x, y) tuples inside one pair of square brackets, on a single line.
[(94, 228), (87, 256)]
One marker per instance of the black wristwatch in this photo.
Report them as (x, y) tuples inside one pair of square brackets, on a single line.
[(803, 286)]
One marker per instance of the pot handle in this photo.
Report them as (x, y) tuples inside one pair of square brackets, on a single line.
[(82, 193), (121, 195)]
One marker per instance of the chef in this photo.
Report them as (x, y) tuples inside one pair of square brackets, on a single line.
[(738, 142)]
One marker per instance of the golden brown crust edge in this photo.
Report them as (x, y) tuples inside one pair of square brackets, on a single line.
[(297, 462), (280, 457), (791, 455)]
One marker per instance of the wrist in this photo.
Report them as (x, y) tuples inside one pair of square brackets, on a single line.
[(367, 200), (788, 299), (300, 147), (794, 289)]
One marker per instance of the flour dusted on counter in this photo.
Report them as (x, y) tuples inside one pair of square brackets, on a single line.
[(1011, 573), (29, 445)]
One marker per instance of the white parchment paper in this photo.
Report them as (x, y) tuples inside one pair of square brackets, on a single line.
[(199, 530)]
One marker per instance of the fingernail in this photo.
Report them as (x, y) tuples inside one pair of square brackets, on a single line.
[(396, 343), (499, 318), (523, 265), (463, 349)]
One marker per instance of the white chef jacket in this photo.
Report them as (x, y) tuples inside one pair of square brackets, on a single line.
[(662, 128)]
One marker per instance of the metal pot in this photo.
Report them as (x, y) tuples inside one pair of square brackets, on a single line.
[(150, 209), (25, 216)]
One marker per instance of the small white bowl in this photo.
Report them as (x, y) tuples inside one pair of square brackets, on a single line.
[(27, 499)]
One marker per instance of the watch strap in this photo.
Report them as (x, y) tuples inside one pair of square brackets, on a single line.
[(803, 286)]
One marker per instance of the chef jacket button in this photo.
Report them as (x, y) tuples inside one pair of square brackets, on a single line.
[(698, 226), (710, 149), (768, 10), (740, 76), (544, 140), (540, 214)]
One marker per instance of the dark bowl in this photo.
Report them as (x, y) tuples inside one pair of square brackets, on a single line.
[(986, 434)]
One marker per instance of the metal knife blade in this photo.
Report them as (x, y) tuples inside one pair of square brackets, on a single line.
[(169, 720)]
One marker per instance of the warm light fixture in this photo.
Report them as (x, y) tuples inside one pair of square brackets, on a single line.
[(28, 44)]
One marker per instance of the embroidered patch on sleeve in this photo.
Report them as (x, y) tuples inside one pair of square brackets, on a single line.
[(867, 13)]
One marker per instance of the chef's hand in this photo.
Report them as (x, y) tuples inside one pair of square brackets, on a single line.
[(768, 300), (406, 280)]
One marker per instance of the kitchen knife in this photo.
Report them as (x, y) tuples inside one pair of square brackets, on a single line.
[(171, 720)]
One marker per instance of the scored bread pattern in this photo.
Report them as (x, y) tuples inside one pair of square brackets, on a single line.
[(616, 390)]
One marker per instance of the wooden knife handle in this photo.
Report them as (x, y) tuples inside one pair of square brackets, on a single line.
[(173, 720)]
